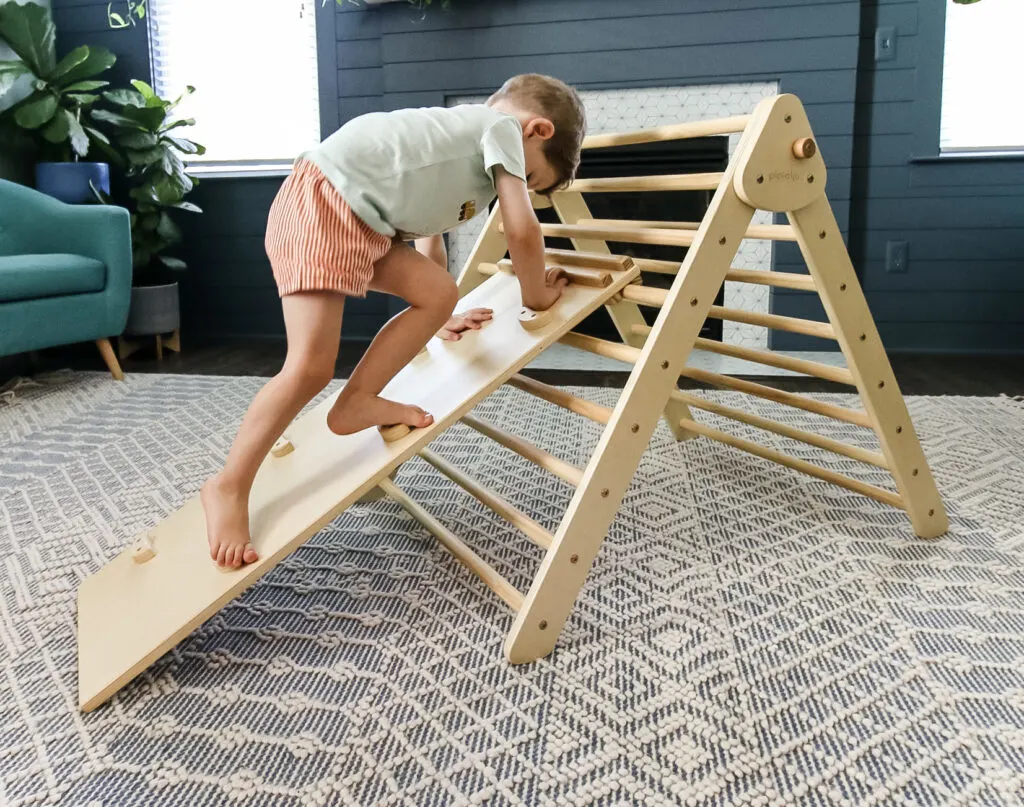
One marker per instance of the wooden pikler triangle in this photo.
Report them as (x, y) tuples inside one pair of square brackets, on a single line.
[(138, 606)]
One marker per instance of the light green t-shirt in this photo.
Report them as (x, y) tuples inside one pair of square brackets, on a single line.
[(419, 172)]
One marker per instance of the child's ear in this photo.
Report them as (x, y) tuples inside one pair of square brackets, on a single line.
[(541, 128)]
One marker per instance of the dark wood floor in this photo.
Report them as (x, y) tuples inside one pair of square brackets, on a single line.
[(917, 374)]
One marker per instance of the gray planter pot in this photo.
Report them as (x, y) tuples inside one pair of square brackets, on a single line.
[(154, 310)]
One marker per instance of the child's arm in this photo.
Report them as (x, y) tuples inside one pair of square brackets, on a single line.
[(433, 247), (525, 242)]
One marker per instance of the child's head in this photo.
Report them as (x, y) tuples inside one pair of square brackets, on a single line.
[(554, 122)]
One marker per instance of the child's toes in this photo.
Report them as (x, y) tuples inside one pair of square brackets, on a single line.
[(249, 554)]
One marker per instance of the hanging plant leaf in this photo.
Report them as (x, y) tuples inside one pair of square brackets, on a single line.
[(79, 139), (115, 20), (191, 208), (10, 74), (186, 146), (59, 128), (146, 157), (117, 119), (29, 31), (139, 140), (168, 230), (86, 86), (96, 135), (99, 59), (68, 63), (178, 123), (36, 111), (125, 98)]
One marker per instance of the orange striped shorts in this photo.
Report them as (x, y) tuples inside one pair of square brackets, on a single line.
[(316, 242)]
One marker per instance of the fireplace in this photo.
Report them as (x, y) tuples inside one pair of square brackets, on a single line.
[(705, 155)]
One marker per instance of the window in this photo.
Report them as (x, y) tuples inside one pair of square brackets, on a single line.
[(254, 68), (984, 63)]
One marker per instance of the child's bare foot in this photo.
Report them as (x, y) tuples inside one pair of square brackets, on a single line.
[(227, 524), (359, 410)]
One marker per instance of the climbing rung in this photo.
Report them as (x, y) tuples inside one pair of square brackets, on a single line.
[(630, 354), (782, 280), (534, 531), (853, 452), (596, 412), (498, 584), (625, 235), (655, 298), (590, 260), (549, 462), (675, 131), (888, 497), (763, 232), (840, 375), (666, 182)]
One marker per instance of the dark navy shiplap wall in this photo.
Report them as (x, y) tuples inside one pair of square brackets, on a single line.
[(966, 281)]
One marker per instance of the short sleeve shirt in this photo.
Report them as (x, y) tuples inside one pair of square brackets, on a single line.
[(420, 172)]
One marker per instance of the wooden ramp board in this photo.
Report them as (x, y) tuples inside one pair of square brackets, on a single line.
[(130, 614)]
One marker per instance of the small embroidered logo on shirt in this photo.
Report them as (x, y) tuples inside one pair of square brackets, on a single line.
[(467, 211)]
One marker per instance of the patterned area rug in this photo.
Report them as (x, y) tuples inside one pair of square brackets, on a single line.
[(748, 635)]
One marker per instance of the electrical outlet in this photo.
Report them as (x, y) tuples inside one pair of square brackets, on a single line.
[(896, 255), (885, 44)]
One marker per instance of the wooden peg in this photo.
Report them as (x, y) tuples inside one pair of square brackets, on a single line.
[(804, 148), (282, 447), (534, 320), (393, 433), (142, 549)]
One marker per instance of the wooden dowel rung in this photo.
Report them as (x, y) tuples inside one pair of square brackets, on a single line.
[(808, 327), (626, 235), (853, 452), (579, 275), (645, 295), (534, 531), (675, 131), (763, 232), (596, 412), (784, 280), (665, 182), (602, 347), (588, 260), (839, 375), (885, 496), (549, 462), (857, 417), (498, 584)]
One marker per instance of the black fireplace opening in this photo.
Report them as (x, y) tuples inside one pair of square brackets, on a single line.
[(702, 155)]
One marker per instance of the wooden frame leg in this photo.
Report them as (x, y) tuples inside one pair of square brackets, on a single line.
[(107, 351), (490, 248), (571, 208), (579, 537)]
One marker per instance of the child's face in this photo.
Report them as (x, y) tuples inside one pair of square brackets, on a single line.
[(540, 175)]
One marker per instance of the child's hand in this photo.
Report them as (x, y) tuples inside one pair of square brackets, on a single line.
[(472, 320), (554, 285)]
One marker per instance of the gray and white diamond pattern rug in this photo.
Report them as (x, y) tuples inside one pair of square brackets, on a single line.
[(748, 635)]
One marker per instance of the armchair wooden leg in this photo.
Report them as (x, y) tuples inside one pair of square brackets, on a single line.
[(107, 351)]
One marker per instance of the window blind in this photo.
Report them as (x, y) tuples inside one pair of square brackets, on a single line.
[(254, 68), (983, 67)]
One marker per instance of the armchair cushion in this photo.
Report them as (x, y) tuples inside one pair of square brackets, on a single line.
[(30, 277)]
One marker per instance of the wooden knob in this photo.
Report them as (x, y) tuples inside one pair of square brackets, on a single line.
[(142, 549), (534, 320), (393, 433), (804, 148), (282, 447)]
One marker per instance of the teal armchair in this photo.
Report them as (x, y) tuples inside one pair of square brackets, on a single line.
[(65, 273)]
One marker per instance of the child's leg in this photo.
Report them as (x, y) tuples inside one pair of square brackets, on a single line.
[(313, 324), (432, 295)]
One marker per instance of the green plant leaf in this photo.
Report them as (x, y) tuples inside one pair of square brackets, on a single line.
[(140, 10), (99, 60), (172, 163), (83, 98), (79, 139), (189, 89), (168, 230), (36, 111), (29, 31), (96, 135), (113, 156), (69, 62), (125, 98), (138, 140), (10, 74), (191, 208), (145, 157), (151, 118), (117, 119), (86, 86), (185, 146), (177, 123), (59, 127), (172, 263), (169, 189), (115, 20)]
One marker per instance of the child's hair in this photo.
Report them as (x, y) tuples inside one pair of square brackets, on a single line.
[(559, 103)]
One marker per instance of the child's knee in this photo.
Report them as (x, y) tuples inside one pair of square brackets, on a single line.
[(309, 376), (447, 295)]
